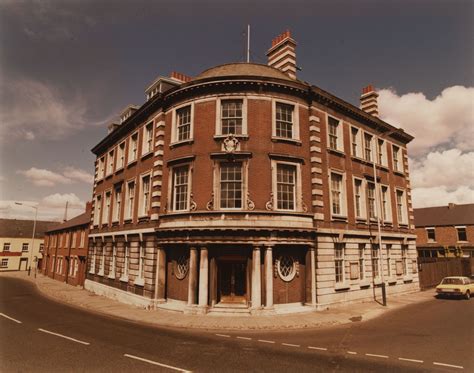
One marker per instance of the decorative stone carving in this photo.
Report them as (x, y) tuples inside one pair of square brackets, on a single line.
[(230, 144), (269, 205), (304, 206), (192, 203), (210, 204), (250, 203)]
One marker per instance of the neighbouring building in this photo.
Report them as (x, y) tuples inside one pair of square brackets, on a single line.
[(66, 246), (244, 189), (445, 231), (18, 251)]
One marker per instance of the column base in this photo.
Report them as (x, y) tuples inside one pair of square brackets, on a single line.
[(257, 311)]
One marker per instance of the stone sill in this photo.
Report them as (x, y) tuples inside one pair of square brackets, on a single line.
[(364, 283), (123, 279), (139, 281), (342, 286)]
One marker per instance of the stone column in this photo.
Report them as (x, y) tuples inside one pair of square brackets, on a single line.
[(192, 276), (213, 281), (313, 275), (256, 279), (268, 276), (203, 278), (160, 275)]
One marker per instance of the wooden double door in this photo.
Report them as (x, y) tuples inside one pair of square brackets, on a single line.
[(232, 281)]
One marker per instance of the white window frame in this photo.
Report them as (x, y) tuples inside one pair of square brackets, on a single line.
[(217, 184), (110, 162), (130, 148), (4, 263), (52, 264), (219, 115), (102, 260), (388, 258), (369, 148), (404, 254), (144, 208), (101, 168), (381, 152), (129, 209), (362, 247), (298, 185), (428, 239), (121, 156), (172, 187), (362, 201), (7, 246), (367, 189), (340, 259), (357, 143), (296, 120), (404, 212), (174, 126), (23, 247), (376, 270), (113, 261), (83, 238), (457, 232), (117, 203), (388, 205), (147, 146), (397, 161), (126, 261), (339, 134), (343, 194), (97, 211), (74, 240), (106, 207), (140, 279)]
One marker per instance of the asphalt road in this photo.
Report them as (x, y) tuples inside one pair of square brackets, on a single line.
[(436, 335)]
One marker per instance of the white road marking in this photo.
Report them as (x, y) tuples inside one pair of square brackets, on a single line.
[(317, 348), (374, 355), (223, 335), (265, 341), (63, 336), (156, 363), (10, 318), (352, 352), (245, 338), (412, 360), (448, 365), (290, 345)]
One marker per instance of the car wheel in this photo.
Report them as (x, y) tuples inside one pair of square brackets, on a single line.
[(468, 295)]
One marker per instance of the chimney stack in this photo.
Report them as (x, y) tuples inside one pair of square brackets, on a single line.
[(180, 77), (282, 54), (368, 101)]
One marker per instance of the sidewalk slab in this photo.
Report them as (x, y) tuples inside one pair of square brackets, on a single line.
[(342, 314)]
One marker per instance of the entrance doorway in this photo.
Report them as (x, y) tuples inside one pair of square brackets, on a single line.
[(232, 285), (23, 264)]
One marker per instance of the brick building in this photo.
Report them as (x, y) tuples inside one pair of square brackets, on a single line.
[(445, 231), (65, 254), (245, 189), (18, 251)]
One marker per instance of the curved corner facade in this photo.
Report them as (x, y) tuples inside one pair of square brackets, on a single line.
[(246, 191)]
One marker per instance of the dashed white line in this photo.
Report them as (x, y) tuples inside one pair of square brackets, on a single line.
[(411, 360), (63, 336), (265, 341), (10, 318), (223, 335), (317, 348), (290, 345), (448, 365), (156, 363), (245, 338), (374, 355), (352, 352)]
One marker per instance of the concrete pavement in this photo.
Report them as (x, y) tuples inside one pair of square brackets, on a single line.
[(339, 315)]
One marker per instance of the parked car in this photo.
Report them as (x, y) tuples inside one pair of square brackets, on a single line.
[(456, 286)]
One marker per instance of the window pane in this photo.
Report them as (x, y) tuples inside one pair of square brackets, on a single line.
[(284, 120), (183, 120), (286, 183), (180, 188), (231, 115), (231, 185)]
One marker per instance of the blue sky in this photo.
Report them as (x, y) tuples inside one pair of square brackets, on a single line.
[(69, 67)]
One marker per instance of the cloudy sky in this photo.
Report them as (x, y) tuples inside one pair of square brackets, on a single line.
[(68, 67)]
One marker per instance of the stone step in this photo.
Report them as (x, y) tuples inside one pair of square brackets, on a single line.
[(230, 309)]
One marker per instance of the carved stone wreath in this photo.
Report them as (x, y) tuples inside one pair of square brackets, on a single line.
[(181, 267), (286, 267), (230, 144)]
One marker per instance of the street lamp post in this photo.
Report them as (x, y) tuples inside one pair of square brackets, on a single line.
[(33, 236)]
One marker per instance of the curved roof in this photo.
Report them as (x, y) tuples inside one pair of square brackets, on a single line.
[(243, 68)]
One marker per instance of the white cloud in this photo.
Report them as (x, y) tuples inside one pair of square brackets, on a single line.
[(449, 168), (441, 196), (43, 177), (79, 175), (446, 121), (32, 109), (51, 207)]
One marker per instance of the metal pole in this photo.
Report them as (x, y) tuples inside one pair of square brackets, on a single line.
[(248, 43), (379, 213), (32, 240)]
